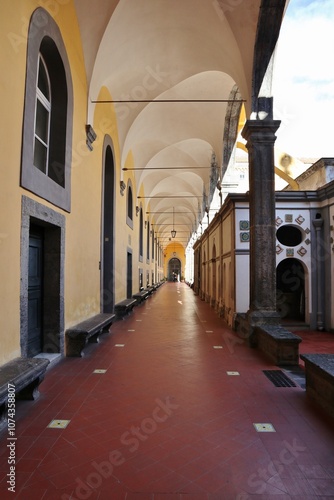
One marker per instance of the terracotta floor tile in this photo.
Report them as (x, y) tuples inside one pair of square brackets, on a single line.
[(215, 479), (35, 494), (323, 487), (162, 496), (140, 496), (166, 421), (314, 471), (195, 496)]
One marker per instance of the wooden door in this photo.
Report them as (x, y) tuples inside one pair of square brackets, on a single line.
[(35, 293)]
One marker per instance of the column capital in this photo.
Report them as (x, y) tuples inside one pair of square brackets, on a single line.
[(318, 223), (260, 130)]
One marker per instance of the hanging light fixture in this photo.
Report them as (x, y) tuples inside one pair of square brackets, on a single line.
[(173, 232)]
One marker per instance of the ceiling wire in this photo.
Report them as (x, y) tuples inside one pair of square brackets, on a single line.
[(167, 197), (164, 168), (130, 101)]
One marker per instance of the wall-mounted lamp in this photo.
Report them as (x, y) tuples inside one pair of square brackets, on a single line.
[(173, 232), (90, 137), (122, 187)]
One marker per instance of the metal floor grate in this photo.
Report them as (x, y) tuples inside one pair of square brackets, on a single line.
[(279, 379)]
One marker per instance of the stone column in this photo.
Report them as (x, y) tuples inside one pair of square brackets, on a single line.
[(260, 136), (318, 223)]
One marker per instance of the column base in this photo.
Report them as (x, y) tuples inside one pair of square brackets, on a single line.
[(260, 318)]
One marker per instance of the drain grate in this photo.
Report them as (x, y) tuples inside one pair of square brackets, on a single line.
[(279, 379)]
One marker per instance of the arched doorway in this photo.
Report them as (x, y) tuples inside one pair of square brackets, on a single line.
[(174, 269), (214, 277), (107, 258), (290, 284)]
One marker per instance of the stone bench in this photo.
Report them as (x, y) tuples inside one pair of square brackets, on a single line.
[(77, 336), (150, 290), (280, 345), (319, 370), (21, 378), (124, 307), (140, 296)]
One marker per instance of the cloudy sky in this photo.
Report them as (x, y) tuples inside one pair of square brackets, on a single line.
[(304, 79)]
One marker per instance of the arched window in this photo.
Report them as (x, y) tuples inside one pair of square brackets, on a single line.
[(48, 114), (129, 212)]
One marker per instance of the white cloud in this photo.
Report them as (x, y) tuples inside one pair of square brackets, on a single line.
[(304, 79)]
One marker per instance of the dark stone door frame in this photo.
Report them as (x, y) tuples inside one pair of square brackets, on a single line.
[(53, 224), (129, 268), (108, 228)]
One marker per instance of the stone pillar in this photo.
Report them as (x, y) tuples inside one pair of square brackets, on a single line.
[(260, 136), (318, 223)]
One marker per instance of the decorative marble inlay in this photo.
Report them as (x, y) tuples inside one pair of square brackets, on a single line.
[(288, 217), (58, 424), (290, 252), (302, 251), (278, 221), (244, 237), (307, 231), (307, 241), (300, 219), (279, 249), (244, 225), (264, 427)]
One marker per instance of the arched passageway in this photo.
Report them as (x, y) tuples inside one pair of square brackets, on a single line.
[(174, 269), (290, 282)]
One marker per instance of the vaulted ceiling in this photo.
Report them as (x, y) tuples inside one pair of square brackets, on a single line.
[(182, 58)]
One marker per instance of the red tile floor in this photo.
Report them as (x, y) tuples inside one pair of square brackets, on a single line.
[(166, 421)]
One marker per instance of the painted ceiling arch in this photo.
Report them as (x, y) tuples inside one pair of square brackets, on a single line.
[(179, 51), (189, 154), (177, 121)]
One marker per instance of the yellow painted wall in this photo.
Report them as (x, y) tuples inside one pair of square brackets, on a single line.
[(105, 123), (83, 223), (174, 250), (12, 55), (82, 286)]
